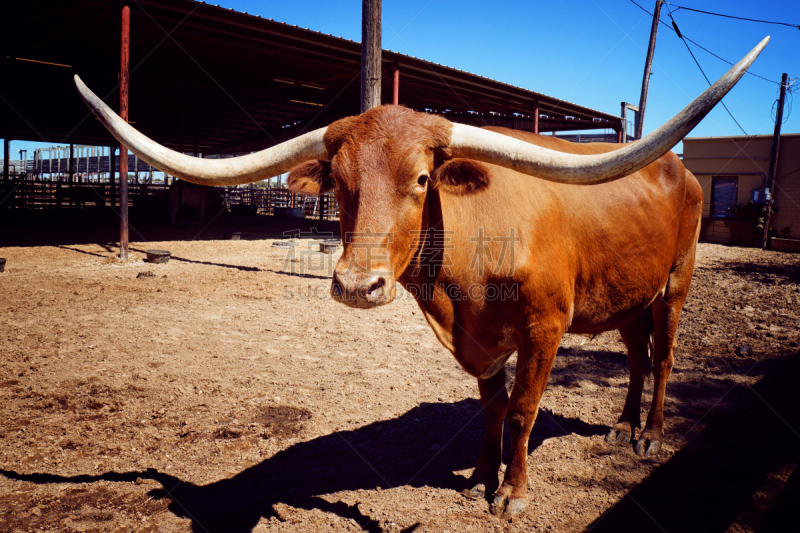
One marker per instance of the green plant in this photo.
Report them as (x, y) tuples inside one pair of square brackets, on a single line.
[(756, 213)]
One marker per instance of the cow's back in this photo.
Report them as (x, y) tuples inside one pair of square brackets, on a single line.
[(600, 251)]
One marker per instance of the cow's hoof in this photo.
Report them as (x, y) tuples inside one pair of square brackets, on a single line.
[(477, 492), (514, 509), (618, 437), (508, 509), (647, 448)]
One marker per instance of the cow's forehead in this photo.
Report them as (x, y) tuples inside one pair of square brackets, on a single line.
[(389, 128), (357, 164), (389, 142)]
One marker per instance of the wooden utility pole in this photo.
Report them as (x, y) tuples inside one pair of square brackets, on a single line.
[(124, 60), (648, 64), (370, 54), (773, 160)]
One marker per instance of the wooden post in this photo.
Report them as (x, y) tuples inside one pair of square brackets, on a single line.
[(621, 136), (124, 60), (651, 48), (71, 170), (396, 84), (370, 54), (773, 159), (536, 116), (112, 176)]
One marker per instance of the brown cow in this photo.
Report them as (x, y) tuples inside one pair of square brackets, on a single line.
[(80, 195), (432, 205), (578, 259), (186, 195)]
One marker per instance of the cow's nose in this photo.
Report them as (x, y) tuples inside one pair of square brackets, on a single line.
[(358, 289)]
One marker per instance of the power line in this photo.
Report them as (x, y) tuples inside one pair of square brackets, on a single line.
[(675, 27), (726, 61), (733, 17), (787, 173), (702, 47)]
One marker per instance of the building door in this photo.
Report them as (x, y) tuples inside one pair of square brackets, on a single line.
[(723, 195)]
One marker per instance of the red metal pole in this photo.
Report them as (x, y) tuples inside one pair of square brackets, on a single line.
[(396, 90), (620, 129), (536, 116), (124, 59)]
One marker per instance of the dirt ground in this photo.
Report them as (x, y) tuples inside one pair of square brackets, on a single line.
[(224, 391)]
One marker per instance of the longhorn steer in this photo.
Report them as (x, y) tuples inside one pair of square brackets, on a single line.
[(186, 195), (80, 195), (583, 253)]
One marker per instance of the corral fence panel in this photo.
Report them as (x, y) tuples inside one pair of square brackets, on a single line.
[(22, 192)]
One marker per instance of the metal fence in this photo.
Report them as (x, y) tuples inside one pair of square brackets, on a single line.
[(61, 194)]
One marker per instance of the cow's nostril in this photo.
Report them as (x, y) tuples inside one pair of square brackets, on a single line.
[(336, 287), (377, 286)]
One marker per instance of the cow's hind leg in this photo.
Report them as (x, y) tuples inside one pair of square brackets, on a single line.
[(637, 336), (666, 312), (494, 400), (534, 363)]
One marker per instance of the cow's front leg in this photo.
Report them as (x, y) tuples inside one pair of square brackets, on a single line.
[(494, 399), (533, 370)]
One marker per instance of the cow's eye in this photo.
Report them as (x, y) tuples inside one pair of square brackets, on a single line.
[(422, 181)]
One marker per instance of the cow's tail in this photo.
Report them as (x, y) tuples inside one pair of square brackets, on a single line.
[(648, 329)]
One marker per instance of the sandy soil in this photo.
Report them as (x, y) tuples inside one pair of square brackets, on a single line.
[(213, 393)]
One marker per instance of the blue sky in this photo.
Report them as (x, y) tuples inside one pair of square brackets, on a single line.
[(590, 52)]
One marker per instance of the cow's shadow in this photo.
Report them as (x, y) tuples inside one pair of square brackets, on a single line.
[(422, 447)]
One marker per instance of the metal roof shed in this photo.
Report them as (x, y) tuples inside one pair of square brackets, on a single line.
[(206, 79)]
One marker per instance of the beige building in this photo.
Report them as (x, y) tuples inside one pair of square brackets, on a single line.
[(733, 172)]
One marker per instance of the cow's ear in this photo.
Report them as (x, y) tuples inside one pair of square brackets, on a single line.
[(311, 178), (460, 176)]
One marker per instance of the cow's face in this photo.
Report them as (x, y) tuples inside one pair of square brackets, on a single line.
[(383, 165)]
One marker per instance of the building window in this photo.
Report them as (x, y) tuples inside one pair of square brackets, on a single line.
[(723, 195)]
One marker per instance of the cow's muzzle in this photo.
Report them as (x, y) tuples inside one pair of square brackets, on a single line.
[(362, 289)]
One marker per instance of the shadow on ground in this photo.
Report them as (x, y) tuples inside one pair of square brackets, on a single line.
[(759, 273), (422, 447), (740, 471), (728, 475), (574, 365)]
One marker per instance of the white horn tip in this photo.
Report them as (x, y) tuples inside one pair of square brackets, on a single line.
[(82, 88)]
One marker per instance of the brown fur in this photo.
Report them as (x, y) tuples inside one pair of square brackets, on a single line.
[(460, 176), (585, 259), (311, 178)]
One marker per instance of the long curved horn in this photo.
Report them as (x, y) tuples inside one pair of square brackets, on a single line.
[(491, 147), (232, 171)]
